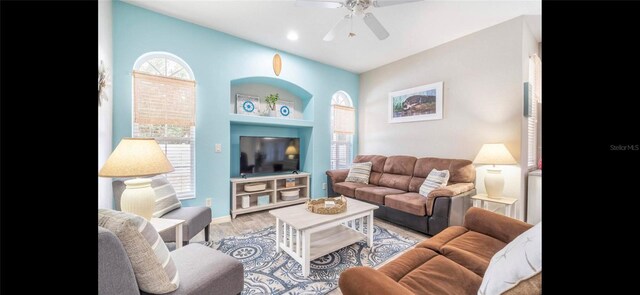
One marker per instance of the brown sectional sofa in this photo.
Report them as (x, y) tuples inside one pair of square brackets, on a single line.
[(394, 184), (451, 262)]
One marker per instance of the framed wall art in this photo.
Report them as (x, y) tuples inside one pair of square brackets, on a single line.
[(416, 104), (285, 109), (247, 104)]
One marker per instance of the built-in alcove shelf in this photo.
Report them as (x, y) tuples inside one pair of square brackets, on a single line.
[(236, 119), (299, 100)]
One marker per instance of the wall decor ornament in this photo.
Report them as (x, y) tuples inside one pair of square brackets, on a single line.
[(277, 64), (416, 104), (102, 82), (247, 104), (285, 109)]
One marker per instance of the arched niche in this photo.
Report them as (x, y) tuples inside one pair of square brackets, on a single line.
[(262, 86)]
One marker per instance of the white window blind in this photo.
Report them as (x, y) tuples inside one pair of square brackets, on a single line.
[(164, 108), (342, 130), (343, 119), (535, 93), (163, 100)]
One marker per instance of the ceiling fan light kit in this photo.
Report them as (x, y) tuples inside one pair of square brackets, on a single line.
[(355, 7)]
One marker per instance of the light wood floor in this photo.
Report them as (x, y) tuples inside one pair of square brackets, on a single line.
[(246, 223)]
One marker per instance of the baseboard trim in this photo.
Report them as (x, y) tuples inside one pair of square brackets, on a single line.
[(221, 219)]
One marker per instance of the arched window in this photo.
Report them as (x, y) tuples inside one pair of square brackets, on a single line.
[(164, 107), (343, 119)]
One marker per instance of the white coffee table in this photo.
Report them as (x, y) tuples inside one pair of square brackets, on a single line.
[(306, 236)]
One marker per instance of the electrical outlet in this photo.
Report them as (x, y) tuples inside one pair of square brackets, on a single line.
[(218, 148), (324, 185), (207, 202)]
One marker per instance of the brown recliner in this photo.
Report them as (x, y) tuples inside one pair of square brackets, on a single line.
[(451, 262)]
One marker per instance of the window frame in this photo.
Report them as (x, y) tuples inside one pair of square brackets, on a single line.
[(535, 97), (346, 101), (163, 141)]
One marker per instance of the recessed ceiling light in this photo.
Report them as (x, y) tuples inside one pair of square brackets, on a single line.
[(292, 35)]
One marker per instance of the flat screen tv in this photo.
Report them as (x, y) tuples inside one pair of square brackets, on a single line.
[(269, 154)]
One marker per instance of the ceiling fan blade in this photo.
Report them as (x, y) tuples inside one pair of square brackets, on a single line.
[(375, 26), (338, 27), (319, 4), (383, 3)]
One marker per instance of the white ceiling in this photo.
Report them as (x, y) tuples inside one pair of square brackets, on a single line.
[(414, 27)]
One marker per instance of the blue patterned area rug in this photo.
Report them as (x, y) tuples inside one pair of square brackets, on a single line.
[(268, 272)]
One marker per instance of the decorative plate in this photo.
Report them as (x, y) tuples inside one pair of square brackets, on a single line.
[(284, 111), (247, 104)]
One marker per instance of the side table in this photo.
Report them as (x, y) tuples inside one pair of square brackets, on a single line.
[(163, 224), (482, 201)]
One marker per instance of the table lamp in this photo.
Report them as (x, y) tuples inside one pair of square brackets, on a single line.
[(291, 151), (494, 154), (137, 157)]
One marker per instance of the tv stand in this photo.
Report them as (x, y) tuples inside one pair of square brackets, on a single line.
[(274, 185)]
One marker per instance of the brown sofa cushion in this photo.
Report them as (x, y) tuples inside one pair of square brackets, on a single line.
[(376, 194), (397, 172), (348, 188), (436, 242), (412, 203), (400, 165), (364, 280), (406, 263), (472, 250), (396, 181), (376, 168), (415, 183), (441, 276), (460, 170)]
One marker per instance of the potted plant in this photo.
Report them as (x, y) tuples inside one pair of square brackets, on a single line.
[(271, 100)]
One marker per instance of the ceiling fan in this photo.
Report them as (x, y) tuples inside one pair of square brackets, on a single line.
[(355, 7)]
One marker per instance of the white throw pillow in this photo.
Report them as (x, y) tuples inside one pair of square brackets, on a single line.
[(166, 197), (150, 259), (517, 261), (436, 179), (359, 172)]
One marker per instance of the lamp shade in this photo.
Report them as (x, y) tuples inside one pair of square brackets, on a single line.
[(291, 150), (135, 157), (494, 153)]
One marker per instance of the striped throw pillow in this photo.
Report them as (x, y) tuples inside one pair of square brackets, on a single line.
[(436, 179), (359, 172), (152, 265), (166, 197)]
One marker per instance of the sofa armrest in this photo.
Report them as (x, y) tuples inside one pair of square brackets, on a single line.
[(362, 280), (338, 175), (494, 225), (447, 191)]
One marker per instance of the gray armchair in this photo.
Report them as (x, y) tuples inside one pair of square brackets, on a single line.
[(202, 270), (196, 218)]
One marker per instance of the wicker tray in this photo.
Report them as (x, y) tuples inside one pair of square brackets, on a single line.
[(317, 206)]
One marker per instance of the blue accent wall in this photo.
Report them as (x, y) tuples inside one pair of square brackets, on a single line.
[(217, 59)]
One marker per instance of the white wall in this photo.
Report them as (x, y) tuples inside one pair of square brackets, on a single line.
[(482, 75), (105, 111)]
